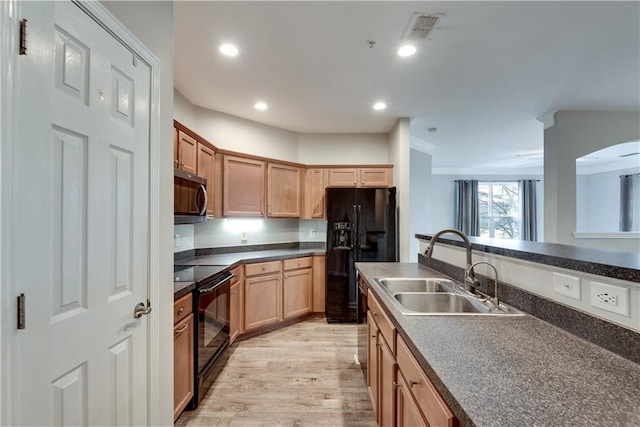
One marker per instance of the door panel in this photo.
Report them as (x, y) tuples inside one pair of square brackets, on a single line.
[(80, 209)]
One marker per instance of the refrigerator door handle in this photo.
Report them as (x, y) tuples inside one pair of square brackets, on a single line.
[(354, 229)]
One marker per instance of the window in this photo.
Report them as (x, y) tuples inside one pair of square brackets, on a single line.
[(499, 209)]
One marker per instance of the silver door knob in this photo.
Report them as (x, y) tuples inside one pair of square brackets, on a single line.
[(141, 310)]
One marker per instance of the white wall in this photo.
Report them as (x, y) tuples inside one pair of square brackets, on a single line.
[(573, 135), (184, 111), (399, 156), (246, 136), (442, 200), (331, 148), (152, 23), (598, 201), (420, 199)]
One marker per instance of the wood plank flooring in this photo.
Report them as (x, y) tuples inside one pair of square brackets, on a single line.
[(302, 375)]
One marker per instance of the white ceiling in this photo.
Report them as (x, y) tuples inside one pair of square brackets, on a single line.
[(481, 79)]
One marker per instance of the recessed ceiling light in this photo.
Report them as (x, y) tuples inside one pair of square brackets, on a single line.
[(260, 106), (379, 105), (228, 50), (406, 50)]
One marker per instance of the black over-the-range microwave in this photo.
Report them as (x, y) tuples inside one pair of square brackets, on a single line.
[(189, 197)]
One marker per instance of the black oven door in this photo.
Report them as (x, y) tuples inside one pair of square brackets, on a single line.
[(213, 322), (213, 333)]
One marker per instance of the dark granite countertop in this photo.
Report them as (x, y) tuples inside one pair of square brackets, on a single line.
[(513, 371), (619, 265), (233, 259), (180, 289)]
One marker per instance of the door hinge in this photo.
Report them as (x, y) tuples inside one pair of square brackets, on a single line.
[(21, 314), (23, 37)]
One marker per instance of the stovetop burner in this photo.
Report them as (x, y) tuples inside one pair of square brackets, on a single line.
[(197, 273)]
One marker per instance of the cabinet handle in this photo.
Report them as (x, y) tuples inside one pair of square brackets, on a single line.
[(373, 336), (412, 383), (396, 385), (264, 268), (286, 277), (181, 330), (181, 310)]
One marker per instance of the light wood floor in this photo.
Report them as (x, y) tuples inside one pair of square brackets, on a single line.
[(302, 375)]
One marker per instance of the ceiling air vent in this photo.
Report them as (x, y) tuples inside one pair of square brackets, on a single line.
[(422, 24)]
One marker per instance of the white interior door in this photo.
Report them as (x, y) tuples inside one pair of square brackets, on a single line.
[(81, 209)]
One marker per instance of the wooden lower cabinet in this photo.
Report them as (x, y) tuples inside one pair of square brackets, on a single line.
[(183, 342), (372, 362), (297, 292), (262, 299), (387, 368), (408, 413), (234, 312), (319, 283), (424, 394), (401, 393)]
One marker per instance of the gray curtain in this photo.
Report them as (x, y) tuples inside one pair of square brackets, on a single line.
[(528, 215), (467, 217), (630, 202)]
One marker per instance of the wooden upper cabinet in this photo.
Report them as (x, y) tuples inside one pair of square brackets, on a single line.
[(283, 191), (243, 187), (186, 152), (343, 177), (375, 177), (314, 185), (361, 177), (206, 169)]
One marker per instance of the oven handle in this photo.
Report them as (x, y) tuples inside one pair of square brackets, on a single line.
[(210, 289)]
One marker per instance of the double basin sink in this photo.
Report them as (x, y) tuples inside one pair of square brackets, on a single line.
[(435, 296)]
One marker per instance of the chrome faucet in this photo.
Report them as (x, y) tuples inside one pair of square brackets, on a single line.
[(468, 271)]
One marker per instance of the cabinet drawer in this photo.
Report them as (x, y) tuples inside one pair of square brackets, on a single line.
[(182, 308), (384, 324), (262, 268), (295, 263), (434, 409)]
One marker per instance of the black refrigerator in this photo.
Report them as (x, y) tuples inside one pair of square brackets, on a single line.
[(361, 226)]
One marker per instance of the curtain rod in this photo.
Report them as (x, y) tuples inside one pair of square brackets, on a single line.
[(497, 180)]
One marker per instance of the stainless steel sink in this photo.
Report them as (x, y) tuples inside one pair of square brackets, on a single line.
[(436, 302), (449, 303), (395, 285)]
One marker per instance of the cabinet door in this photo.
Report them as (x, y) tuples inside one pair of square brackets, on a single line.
[(262, 301), (283, 191), (176, 163), (206, 166), (187, 152), (243, 187), (343, 177), (183, 371), (375, 177), (408, 413), (386, 380), (372, 362), (234, 311), (297, 293), (315, 192)]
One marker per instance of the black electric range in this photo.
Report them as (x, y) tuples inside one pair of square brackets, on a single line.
[(211, 307)]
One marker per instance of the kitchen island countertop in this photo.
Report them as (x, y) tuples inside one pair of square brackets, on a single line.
[(513, 371)]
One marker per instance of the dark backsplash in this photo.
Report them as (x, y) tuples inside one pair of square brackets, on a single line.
[(614, 338)]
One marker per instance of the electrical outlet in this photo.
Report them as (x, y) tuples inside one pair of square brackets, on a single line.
[(566, 285), (176, 240), (243, 236), (611, 298), (312, 233)]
